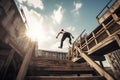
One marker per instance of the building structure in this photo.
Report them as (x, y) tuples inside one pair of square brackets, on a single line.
[(19, 62)]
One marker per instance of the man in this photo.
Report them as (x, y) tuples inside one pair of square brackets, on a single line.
[(65, 35)]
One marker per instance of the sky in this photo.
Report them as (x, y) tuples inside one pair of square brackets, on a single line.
[(45, 18)]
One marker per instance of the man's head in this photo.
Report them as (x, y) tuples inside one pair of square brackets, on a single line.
[(62, 29)]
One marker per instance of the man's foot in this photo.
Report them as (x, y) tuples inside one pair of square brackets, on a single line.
[(70, 42), (59, 47)]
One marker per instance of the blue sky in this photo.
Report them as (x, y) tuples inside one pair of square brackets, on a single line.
[(47, 17)]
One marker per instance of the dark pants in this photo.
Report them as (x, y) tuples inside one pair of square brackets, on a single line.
[(65, 35)]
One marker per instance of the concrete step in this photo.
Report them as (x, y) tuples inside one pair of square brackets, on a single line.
[(64, 78)]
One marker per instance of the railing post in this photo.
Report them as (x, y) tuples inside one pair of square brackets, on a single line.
[(94, 65), (6, 64), (117, 39), (25, 63)]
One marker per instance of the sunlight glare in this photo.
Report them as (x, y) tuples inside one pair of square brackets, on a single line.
[(31, 33), (36, 32)]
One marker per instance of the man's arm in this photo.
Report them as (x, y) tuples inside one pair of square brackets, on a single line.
[(58, 34), (72, 36)]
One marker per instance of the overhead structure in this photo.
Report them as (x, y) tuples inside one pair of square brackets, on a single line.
[(103, 40)]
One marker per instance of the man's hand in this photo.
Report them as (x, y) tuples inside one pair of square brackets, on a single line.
[(72, 37), (56, 37)]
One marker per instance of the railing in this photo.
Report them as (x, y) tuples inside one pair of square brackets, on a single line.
[(99, 35), (104, 9), (109, 9), (102, 32), (101, 71), (26, 61)]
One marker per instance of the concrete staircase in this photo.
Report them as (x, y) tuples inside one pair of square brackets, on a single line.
[(52, 69)]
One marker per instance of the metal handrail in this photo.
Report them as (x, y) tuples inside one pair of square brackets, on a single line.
[(106, 6)]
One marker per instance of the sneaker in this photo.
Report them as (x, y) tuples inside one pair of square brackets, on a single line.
[(70, 42), (59, 47)]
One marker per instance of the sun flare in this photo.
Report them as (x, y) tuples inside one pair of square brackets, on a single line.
[(36, 33), (32, 34)]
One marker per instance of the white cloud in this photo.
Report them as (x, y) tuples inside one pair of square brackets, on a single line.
[(35, 22), (41, 27), (71, 28), (37, 16), (45, 35), (33, 16), (34, 3), (77, 7), (57, 15), (21, 1)]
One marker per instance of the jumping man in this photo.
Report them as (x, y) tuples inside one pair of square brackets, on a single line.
[(65, 35)]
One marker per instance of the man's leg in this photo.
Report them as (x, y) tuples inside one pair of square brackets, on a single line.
[(61, 44), (70, 40)]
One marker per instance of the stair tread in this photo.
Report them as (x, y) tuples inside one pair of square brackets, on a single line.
[(55, 62), (53, 66), (64, 78), (63, 68)]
